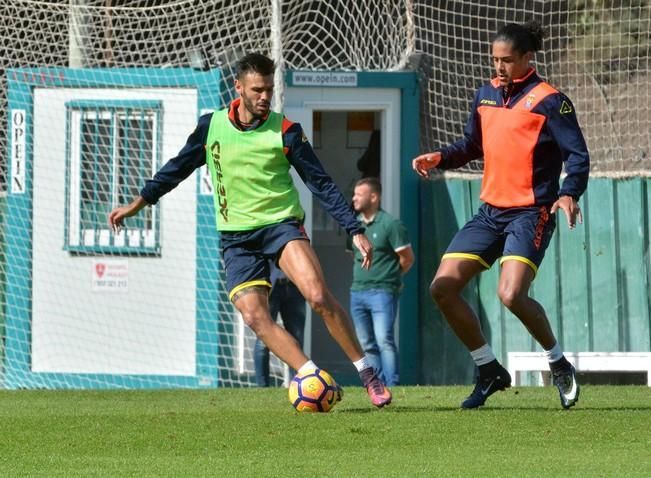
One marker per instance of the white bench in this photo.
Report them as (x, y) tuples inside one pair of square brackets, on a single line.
[(582, 361)]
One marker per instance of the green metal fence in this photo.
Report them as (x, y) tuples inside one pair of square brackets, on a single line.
[(593, 283)]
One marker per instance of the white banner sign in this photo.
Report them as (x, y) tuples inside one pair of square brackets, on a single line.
[(110, 275), (324, 78), (18, 131)]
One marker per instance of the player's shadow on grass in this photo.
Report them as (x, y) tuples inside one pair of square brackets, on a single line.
[(552, 408), (556, 409), (398, 409)]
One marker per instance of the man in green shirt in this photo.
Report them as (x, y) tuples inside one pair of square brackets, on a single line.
[(375, 291)]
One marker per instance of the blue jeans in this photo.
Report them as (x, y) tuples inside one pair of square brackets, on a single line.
[(286, 299), (374, 314)]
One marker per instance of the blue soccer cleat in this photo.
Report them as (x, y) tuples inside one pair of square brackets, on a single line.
[(487, 386)]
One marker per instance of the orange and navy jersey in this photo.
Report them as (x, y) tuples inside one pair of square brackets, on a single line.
[(525, 132)]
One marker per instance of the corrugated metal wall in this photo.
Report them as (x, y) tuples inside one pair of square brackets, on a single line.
[(593, 283)]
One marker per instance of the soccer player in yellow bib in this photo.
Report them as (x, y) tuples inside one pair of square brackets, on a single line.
[(249, 150)]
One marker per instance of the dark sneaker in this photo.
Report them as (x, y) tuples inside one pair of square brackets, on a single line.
[(487, 386), (379, 394), (568, 388)]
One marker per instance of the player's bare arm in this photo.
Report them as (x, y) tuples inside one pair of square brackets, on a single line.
[(116, 216), (571, 209), (425, 162)]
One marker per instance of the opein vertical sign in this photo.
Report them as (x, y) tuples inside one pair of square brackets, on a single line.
[(18, 151)]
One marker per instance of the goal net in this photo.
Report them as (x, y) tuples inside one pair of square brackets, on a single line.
[(59, 323), (597, 52)]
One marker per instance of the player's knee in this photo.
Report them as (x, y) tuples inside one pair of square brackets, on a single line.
[(250, 319), (510, 296), (318, 299), (442, 288), (319, 303), (256, 320)]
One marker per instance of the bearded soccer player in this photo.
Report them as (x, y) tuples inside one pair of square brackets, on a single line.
[(526, 131), (249, 150)]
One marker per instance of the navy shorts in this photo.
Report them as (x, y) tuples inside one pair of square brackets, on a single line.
[(518, 233), (248, 254)]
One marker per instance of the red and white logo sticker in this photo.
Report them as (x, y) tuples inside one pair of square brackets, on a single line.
[(110, 275)]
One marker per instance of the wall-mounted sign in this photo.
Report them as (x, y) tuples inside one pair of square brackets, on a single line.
[(18, 132)]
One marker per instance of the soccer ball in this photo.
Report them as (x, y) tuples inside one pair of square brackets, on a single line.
[(314, 391)]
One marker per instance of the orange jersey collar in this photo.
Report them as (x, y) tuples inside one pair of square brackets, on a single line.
[(234, 117)]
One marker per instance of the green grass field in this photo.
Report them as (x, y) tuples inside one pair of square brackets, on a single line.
[(255, 432)]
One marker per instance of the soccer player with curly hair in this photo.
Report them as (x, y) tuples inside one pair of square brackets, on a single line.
[(526, 131)]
